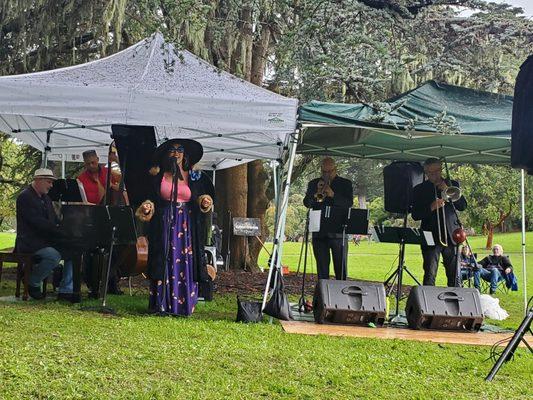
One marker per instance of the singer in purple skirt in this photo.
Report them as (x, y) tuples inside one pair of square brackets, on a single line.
[(176, 212)]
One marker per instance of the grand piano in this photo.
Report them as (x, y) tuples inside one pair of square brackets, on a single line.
[(111, 228)]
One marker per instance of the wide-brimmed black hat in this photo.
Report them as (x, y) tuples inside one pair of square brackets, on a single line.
[(193, 150)]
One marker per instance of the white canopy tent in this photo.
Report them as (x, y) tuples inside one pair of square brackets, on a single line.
[(150, 83)]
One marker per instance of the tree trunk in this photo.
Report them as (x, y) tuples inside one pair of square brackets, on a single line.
[(258, 201), (257, 205), (490, 236), (361, 200), (231, 195)]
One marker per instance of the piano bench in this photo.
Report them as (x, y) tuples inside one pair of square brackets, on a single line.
[(24, 263)]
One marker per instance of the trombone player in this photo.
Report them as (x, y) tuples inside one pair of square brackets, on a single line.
[(329, 190), (434, 201)]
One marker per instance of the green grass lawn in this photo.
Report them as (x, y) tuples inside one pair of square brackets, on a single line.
[(6, 240), (56, 351)]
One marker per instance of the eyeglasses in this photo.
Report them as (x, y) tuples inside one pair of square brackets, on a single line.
[(179, 149)]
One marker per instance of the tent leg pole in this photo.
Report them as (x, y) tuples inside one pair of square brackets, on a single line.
[(523, 212), (63, 165), (280, 226), (46, 149)]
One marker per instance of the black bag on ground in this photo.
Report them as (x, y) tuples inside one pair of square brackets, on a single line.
[(248, 310), (278, 306)]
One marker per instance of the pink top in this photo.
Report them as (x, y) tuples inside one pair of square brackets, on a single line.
[(184, 192)]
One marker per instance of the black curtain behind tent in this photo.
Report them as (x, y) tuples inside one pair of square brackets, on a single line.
[(522, 127)]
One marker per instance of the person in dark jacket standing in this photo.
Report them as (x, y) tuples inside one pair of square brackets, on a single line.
[(329, 190), (38, 232), (427, 205), (176, 264)]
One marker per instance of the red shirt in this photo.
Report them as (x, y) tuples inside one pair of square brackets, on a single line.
[(90, 186)]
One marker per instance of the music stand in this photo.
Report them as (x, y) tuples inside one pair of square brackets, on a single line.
[(403, 236), (352, 221), (122, 232), (65, 190)]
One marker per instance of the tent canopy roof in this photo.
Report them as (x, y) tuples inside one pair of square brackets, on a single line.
[(150, 83), (433, 120)]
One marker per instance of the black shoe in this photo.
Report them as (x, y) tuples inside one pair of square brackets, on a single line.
[(57, 277), (65, 297), (35, 293)]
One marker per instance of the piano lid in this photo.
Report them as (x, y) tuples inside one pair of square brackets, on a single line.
[(135, 145)]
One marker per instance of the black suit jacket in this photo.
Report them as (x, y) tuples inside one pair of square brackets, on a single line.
[(342, 197), (37, 222), (423, 196)]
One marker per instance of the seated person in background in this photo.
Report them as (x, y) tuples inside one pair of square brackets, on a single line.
[(469, 267), (93, 179), (37, 231), (495, 268)]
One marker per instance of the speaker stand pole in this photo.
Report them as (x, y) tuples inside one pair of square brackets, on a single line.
[(508, 353), (398, 273), (305, 243), (344, 272)]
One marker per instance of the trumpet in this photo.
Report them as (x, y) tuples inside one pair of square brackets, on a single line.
[(450, 194), (321, 186)]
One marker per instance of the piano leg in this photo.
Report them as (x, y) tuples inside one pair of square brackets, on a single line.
[(76, 278)]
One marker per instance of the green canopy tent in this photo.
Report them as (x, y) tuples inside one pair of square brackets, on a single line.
[(433, 120)]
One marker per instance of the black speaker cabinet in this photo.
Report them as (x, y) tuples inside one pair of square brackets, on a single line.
[(399, 179), (430, 307), (522, 134), (349, 302)]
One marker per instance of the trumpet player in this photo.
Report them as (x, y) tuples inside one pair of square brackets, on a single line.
[(329, 190), (434, 207)]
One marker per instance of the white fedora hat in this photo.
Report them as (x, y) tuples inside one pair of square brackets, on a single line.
[(44, 173)]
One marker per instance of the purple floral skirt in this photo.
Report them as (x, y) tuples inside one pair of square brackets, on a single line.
[(180, 294)]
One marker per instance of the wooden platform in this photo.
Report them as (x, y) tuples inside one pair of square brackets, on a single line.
[(470, 338)]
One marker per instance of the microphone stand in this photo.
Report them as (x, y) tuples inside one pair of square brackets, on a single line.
[(170, 222)]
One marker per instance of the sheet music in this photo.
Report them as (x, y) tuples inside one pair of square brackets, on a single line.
[(314, 220), (82, 192), (429, 238)]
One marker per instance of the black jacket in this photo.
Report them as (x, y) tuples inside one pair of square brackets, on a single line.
[(37, 222), (156, 247), (501, 263), (342, 197), (423, 196)]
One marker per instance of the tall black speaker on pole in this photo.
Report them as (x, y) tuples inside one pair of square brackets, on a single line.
[(522, 132), (399, 179)]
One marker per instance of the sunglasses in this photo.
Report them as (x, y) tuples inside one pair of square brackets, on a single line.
[(179, 149)]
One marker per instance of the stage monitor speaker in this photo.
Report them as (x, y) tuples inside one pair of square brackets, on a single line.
[(430, 307), (521, 133), (399, 179), (349, 302)]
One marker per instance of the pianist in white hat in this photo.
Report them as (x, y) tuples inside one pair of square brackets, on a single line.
[(38, 233)]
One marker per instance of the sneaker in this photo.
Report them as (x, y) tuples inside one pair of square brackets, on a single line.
[(35, 292)]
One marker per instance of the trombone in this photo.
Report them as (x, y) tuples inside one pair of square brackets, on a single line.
[(451, 194)]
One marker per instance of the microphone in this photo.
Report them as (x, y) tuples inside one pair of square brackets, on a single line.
[(173, 165)]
